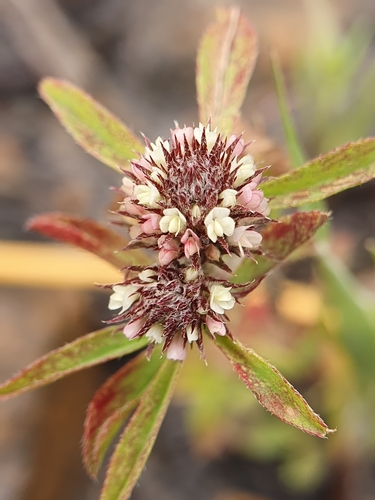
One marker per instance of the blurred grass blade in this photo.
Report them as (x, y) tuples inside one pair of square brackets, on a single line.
[(345, 167), (296, 155), (271, 389), (112, 404), (89, 350), (225, 62), (279, 240), (89, 235), (354, 306), (92, 126), (139, 436), (49, 265)]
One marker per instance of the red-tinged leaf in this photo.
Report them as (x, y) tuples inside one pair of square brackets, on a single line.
[(89, 235), (340, 169), (139, 436), (112, 404), (271, 389), (279, 240), (89, 350), (225, 62), (92, 126)]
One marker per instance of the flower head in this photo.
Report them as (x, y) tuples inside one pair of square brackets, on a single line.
[(194, 198), (173, 301), (197, 187)]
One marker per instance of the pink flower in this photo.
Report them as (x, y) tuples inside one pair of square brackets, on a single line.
[(176, 350), (137, 171), (215, 326), (254, 199), (179, 134), (239, 147), (151, 225), (131, 329), (169, 249), (132, 208), (191, 243)]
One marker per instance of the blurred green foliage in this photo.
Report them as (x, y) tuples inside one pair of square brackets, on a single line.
[(331, 360), (333, 80)]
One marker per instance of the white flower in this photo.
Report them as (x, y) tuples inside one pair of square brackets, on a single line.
[(173, 221), (155, 332), (156, 151), (192, 333), (147, 275), (228, 197), (219, 223), (245, 239), (211, 135), (127, 186), (147, 195), (246, 169), (123, 297), (220, 298)]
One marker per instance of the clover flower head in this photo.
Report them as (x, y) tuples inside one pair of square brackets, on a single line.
[(194, 198), (196, 187), (173, 301)]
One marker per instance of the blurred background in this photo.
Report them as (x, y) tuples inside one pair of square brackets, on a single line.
[(138, 58)]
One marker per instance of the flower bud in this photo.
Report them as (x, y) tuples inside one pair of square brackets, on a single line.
[(191, 243)]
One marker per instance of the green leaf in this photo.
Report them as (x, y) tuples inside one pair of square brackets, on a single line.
[(139, 436), (92, 126), (112, 404), (89, 235), (279, 240), (271, 389), (296, 155), (86, 351), (226, 60), (340, 169)]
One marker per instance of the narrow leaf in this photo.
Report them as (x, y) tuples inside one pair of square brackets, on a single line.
[(89, 350), (139, 436), (89, 235), (279, 240), (225, 62), (92, 126), (296, 155), (340, 169), (354, 306), (271, 389), (112, 404)]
